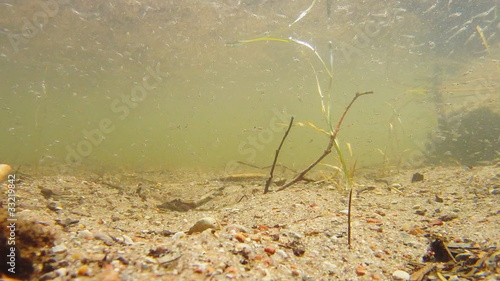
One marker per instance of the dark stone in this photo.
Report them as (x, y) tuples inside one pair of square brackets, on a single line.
[(417, 177)]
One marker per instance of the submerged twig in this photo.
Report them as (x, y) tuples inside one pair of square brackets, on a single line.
[(271, 173), (331, 142), (349, 219)]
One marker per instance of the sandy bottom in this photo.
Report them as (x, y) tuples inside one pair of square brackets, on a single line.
[(125, 227)]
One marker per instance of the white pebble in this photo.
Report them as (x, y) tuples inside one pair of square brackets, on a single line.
[(204, 224), (178, 235), (58, 249), (127, 240), (401, 275), (85, 234), (61, 271), (282, 254)]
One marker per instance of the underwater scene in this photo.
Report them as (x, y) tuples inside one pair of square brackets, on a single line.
[(250, 140)]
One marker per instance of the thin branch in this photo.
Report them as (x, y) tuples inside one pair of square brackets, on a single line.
[(328, 149), (300, 176), (347, 109), (271, 174), (349, 219)]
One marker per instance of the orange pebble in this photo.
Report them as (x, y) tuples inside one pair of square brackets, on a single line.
[(263, 227), (83, 270), (436, 222), (270, 250), (240, 237), (375, 276), (360, 270)]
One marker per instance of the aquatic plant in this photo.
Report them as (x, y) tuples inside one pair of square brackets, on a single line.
[(325, 98)]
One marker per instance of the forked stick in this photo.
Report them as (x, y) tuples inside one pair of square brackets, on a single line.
[(328, 150)]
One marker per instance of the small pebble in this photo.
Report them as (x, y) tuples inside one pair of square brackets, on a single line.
[(360, 270), (83, 270), (4, 171), (401, 275), (282, 254), (104, 238), (127, 240), (167, 233), (238, 227), (270, 250), (61, 271), (204, 224), (240, 237), (85, 234), (58, 249), (421, 212), (448, 217), (295, 235), (178, 235)]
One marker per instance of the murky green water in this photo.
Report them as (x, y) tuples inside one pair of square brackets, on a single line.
[(154, 84)]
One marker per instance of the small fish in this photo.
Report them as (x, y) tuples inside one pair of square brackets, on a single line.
[(485, 42), (456, 33), (349, 148), (430, 8), (304, 13)]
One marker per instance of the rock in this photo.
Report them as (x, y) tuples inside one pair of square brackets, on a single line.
[(270, 250), (204, 224), (61, 271), (83, 270), (104, 238), (85, 234), (178, 235), (360, 270), (448, 217), (237, 227), (4, 171), (58, 249), (240, 237), (396, 185), (294, 235), (127, 240), (400, 275), (167, 233), (417, 177), (421, 212), (282, 254)]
